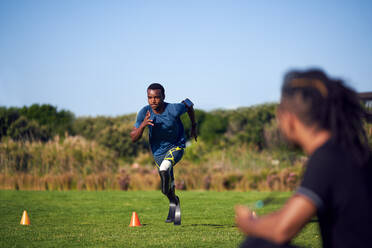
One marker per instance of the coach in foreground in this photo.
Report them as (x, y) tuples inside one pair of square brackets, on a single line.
[(325, 118)]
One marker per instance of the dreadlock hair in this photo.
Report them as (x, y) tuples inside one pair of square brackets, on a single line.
[(156, 86), (326, 103)]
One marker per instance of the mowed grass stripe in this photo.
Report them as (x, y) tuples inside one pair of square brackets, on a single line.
[(101, 219)]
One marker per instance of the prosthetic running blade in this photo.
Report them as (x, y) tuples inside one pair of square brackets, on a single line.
[(177, 213)]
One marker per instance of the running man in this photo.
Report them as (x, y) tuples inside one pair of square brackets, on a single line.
[(167, 139)]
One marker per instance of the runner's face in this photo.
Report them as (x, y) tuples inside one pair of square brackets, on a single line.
[(155, 99)]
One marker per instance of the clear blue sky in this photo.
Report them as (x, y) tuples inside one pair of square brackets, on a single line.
[(97, 57)]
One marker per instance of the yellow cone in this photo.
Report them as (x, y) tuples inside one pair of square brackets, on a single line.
[(25, 220)]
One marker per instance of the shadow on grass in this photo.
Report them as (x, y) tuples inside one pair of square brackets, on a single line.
[(212, 225), (140, 225)]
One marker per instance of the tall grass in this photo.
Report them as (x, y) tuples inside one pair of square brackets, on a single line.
[(74, 163)]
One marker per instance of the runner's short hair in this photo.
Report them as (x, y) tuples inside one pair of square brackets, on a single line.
[(156, 86)]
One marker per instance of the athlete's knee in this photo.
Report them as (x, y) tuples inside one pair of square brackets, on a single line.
[(165, 165)]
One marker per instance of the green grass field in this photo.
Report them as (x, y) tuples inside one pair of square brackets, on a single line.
[(101, 219)]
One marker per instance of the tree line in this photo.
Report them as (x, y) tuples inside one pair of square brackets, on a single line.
[(37, 122), (247, 125)]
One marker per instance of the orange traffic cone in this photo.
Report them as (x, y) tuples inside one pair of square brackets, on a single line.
[(134, 221), (25, 220)]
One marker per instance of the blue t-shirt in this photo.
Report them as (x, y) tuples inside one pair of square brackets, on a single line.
[(168, 131)]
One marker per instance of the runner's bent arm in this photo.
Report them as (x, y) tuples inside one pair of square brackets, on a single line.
[(136, 133), (191, 113)]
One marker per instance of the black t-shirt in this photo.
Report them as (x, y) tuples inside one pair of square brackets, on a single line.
[(342, 193)]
